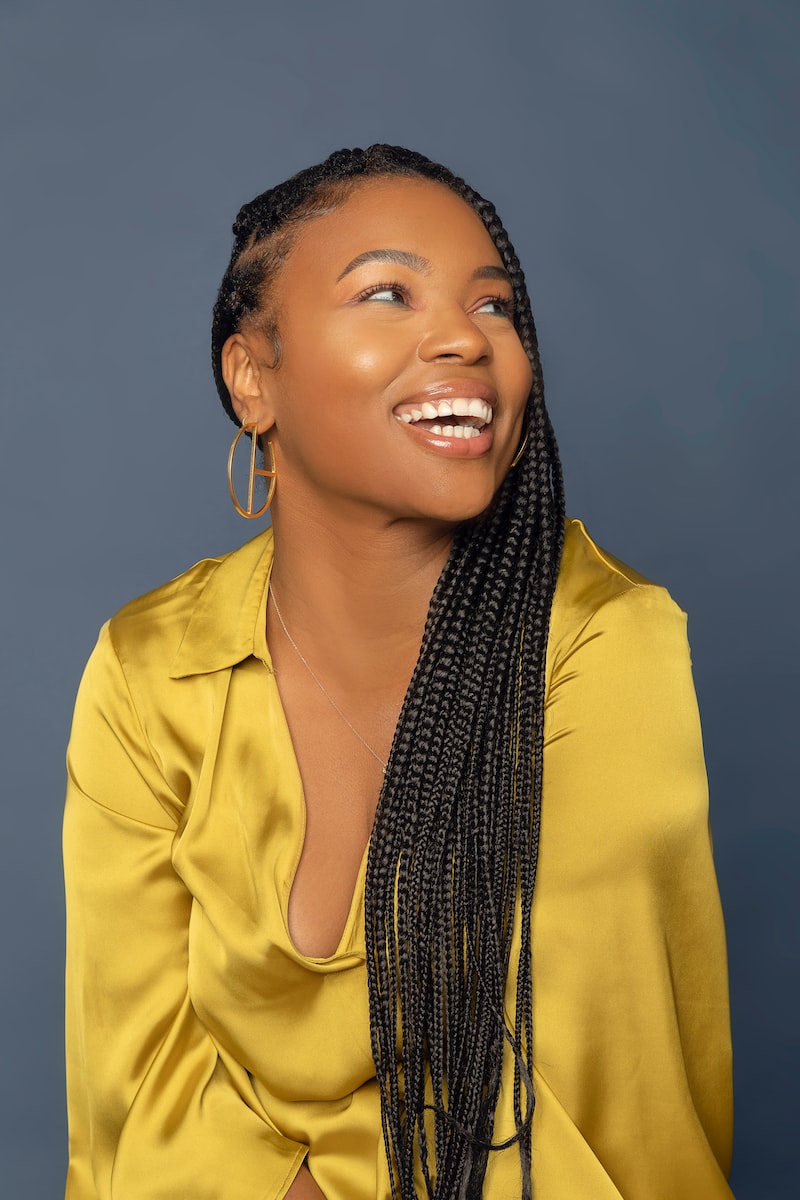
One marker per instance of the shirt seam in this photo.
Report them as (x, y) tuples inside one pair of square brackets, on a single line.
[(634, 588)]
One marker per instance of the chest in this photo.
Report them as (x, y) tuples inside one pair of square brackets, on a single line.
[(341, 746)]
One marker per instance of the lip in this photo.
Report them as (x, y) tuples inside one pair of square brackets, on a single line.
[(446, 389), (451, 447), (470, 389)]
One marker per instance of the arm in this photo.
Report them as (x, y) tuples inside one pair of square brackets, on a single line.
[(632, 1027), (152, 1106)]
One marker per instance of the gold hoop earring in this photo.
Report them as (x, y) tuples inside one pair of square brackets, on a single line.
[(269, 473), (522, 447)]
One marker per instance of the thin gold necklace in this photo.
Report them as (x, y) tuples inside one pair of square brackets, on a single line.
[(320, 684)]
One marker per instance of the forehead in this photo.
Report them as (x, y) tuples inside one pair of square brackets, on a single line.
[(417, 215)]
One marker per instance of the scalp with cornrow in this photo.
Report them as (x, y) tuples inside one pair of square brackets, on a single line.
[(452, 859)]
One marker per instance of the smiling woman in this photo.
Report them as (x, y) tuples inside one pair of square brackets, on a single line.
[(386, 842), (361, 354)]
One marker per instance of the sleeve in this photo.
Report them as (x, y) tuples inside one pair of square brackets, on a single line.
[(633, 1029), (154, 1112)]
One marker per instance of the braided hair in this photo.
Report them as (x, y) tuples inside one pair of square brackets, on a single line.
[(452, 859)]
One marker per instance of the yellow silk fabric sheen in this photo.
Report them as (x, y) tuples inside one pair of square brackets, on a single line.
[(207, 1058)]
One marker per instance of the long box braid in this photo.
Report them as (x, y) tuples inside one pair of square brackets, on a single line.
[(452, 860)]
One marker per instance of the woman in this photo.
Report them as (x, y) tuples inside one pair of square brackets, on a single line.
[(313, 783)]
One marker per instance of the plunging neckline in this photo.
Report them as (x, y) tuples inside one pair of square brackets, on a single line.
[(347, 944)]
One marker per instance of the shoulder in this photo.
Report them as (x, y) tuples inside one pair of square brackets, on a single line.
[(595, 589), (154, 627), (149, 685), (161, 615), (621, 704)]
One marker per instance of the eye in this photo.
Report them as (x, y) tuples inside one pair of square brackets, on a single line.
[(497, 306), (385, 293)]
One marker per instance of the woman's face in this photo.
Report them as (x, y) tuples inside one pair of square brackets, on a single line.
[(402, 382)]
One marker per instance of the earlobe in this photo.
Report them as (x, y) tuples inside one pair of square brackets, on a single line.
[(246, 382)]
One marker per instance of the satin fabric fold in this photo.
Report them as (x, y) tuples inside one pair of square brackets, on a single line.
[(207, 1057)]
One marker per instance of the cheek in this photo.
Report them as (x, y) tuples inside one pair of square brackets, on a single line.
[(339, 382), (334, 386), (519, 373), (367, 357)]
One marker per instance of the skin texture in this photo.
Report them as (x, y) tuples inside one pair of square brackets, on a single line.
[(304, 1187), (366, 507)]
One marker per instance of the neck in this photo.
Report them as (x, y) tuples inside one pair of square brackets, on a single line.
[(355, 594)]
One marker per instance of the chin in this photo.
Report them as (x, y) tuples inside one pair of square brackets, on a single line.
[(459, 511)]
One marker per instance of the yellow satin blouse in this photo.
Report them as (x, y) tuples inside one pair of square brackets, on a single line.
[(207, 1058)]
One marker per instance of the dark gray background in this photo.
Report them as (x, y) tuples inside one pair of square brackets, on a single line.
[(644, 157)]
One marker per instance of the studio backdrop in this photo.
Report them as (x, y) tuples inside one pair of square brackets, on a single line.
[(644, 159)]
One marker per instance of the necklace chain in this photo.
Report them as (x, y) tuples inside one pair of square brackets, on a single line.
[(320, 684)]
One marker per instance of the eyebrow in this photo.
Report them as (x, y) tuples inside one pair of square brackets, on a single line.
[(406, 258), (398, 258), (489, 272)]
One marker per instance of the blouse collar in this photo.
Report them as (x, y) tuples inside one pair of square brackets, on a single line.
[(228, 621)]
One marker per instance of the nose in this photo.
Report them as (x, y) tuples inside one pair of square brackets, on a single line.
[(453, 334)]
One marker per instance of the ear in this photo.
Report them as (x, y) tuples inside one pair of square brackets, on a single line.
[(248, 379)]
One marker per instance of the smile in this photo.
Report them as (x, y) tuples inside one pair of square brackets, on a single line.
[(472, 416)]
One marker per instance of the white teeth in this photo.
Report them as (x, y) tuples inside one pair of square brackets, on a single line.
[(436, 429), (460, 406)]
